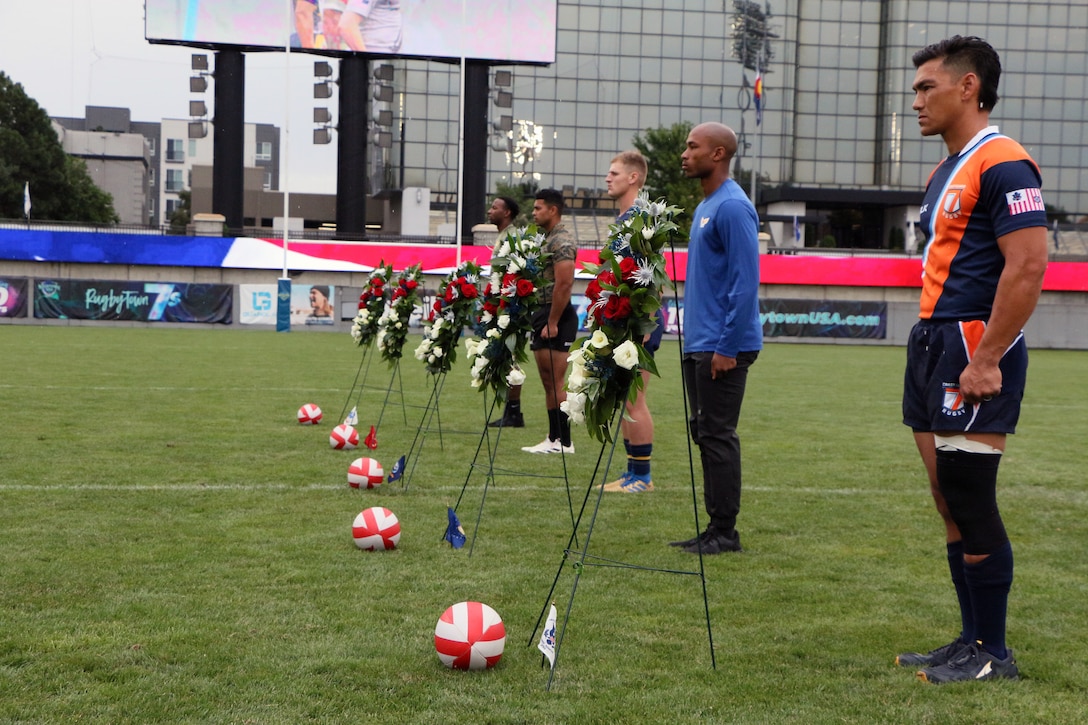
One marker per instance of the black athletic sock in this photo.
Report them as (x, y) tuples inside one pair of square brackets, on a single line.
[(553, 424), (955, 568), (989, 582), (564, 427), (513, 407)]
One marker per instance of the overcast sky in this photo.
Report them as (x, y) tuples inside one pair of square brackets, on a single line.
[(69, 54)]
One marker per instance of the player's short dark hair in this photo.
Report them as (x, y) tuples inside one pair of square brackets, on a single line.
[(511, 205), (552, 197), (967, 55)]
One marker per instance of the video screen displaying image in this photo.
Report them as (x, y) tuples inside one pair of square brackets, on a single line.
[(500, 30)]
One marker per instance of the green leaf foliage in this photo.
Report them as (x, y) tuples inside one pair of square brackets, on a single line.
[(30, 151)]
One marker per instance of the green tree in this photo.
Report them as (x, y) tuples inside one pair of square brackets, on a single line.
[(30, 151), (183, 212), (524, 193), (662, 148)]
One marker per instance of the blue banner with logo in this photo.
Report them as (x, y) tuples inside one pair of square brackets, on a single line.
[(76, 299), (283, 305), (823, 318)]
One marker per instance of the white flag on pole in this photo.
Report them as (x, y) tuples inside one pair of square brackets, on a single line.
[(547, 638), (353, 417), (26, 200)]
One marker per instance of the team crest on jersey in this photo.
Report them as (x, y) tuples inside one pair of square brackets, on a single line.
[(703, 221), (953, 400), (951, 204)]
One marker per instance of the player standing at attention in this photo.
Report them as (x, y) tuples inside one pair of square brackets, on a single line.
[(722, 331), (986, 253), (625, 178)]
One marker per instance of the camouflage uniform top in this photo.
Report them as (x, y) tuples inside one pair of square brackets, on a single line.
[(561, 244)]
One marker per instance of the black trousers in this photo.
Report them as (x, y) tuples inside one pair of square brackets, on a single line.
[(715, 409)]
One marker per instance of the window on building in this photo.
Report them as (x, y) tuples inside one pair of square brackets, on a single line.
[(267, 180), (151, 207), (151, 146), (192, 148), (175, 180), (171, 205), (151, 177), (175, 149), (264, 151)]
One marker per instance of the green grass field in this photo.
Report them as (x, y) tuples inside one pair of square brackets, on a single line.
[(176, 548)]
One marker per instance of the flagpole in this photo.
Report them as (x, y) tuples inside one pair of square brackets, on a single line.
[(460, 147)]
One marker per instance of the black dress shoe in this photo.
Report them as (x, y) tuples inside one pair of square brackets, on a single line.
[(715, 544), (509, 420)]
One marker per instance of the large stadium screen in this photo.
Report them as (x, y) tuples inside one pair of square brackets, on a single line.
[(512, 31)]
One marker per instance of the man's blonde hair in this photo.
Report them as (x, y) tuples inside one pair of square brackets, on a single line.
[(632, 160)]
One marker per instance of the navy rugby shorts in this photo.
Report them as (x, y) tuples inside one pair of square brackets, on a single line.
[(937, 352)]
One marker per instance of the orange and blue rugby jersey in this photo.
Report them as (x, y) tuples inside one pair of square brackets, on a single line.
[(989, 189)]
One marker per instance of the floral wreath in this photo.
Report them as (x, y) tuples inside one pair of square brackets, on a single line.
[(454, 308), (393, 324), (371, 305), (514, 293), (624, 298)]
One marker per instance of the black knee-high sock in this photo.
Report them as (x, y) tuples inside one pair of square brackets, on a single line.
[(967, 613), (564, 427), (553, 424), (989, 582)]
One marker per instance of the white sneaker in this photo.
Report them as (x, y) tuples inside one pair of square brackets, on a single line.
[(549, 446)]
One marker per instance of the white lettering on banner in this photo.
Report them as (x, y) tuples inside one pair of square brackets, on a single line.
[(127, 299), (818, 318)]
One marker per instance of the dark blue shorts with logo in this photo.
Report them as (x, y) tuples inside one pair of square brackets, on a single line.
[(937, 352)]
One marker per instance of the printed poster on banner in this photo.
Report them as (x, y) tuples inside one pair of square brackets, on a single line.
[(13, 297), (313, 304), (257, 304)]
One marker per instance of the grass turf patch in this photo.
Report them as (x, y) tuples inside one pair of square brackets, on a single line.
[(176, 548)]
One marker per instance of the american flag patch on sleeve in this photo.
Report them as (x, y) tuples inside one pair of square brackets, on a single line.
[(1023, 200)]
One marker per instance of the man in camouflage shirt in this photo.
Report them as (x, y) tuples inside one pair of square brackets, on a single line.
[(555, 325)]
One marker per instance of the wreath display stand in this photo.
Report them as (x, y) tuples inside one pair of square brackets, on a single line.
[(489, 470), (579, 556)]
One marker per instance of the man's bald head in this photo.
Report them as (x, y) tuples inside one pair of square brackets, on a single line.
[(708, 153), (718, 134)]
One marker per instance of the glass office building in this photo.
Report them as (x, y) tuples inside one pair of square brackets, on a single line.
[(837, 129)]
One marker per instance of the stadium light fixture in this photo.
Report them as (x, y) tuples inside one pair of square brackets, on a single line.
[(322, 69), (198, 84), (322, 136), (503, 78), (383, 93), (198, 109), (197, 129), (504, 99), (200, 61), (383, 117), (322, 115), (384, 72), (322, 90)]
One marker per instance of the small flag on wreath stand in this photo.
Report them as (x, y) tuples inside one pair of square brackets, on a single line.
[(454, 533), (353, 417), (398, 470), (547, 639)]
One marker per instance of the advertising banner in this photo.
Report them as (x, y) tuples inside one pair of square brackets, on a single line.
[(12, 297), (823, 318), (313, 304), (257, 304), (63, 299)]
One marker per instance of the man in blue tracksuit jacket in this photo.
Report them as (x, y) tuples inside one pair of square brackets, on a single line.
[(722, 334)]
